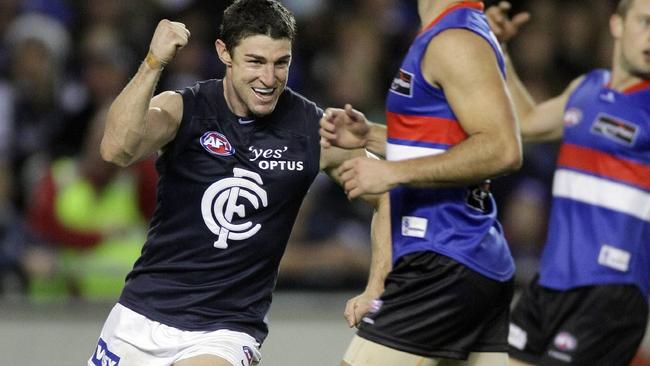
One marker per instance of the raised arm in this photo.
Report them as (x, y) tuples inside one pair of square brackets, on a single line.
[(138, 125), (538, 122)]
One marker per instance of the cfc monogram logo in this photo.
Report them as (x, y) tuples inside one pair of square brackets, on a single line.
[(219, 205)]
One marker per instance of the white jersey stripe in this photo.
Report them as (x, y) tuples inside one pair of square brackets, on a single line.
[(403, 152), (601, 192)]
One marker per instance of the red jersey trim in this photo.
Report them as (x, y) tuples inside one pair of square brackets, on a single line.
[(464, 4), (640, 86), (604, 165), (424, 129)]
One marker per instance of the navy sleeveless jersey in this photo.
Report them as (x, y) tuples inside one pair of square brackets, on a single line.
[(599, 232), (228, 194), (460, 223)]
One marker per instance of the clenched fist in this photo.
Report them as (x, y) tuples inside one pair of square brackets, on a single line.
[(168, 38)]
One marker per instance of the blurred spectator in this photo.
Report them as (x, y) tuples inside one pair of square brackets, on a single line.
[(8, 11), (30, 113), (40, 48), (104, 66), (93, 216)]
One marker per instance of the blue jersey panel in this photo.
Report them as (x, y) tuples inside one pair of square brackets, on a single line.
[(457, 222), (600, 216)]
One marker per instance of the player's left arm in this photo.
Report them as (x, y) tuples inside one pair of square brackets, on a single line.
[(380, 264), (464, 66)]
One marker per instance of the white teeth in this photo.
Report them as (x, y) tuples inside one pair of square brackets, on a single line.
[(263, 90)]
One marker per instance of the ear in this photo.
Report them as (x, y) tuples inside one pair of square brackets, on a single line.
[(223, 53), (616, 26)]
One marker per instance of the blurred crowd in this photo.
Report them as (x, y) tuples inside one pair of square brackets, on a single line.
[(71, 225)]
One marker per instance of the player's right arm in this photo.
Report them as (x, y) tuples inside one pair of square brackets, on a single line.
[(138, 125), (538, 121)]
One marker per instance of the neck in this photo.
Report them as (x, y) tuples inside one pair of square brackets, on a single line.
[(431, 9), (231, 98), (622, 78)]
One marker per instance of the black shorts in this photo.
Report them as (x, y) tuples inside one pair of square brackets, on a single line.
[(433, 306), (591, 325)]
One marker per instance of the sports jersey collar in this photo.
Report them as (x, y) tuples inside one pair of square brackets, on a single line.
[(634, 88), (455, 6), (245, 120), (637, 87), (223, 105)]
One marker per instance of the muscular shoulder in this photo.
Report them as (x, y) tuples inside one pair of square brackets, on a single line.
[(455, 52), (299, 103), (166, 107)]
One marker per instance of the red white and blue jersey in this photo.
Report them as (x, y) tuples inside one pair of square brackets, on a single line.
[(599, 232), (456, 222)]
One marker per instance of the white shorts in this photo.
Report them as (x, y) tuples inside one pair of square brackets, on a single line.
[(131, 339)]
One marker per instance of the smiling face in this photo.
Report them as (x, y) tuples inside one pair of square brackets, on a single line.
[(256, 74), (632, 35)]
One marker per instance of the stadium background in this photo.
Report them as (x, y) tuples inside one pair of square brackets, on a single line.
[(64, 251)]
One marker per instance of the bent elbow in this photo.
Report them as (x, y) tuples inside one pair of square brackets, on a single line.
[(112, 156), (105, 152), (512, 158)]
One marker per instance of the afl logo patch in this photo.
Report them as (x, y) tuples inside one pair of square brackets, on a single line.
[(565, 341), (217, 144), (572, 117)]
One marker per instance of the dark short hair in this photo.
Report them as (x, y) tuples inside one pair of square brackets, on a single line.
[(245, 18), (623, 7)]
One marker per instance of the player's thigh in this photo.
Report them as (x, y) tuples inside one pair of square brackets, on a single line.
[(515, 362), (203, 360), (488, 359), (479, 359), (362, 352)]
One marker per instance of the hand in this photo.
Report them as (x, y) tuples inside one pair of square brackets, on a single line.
[(357, 307), (167, 40), (365, 175), (345, 128), (504, 27)]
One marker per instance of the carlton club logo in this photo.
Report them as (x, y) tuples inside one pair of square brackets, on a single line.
[(220, 204), (216, 144)]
